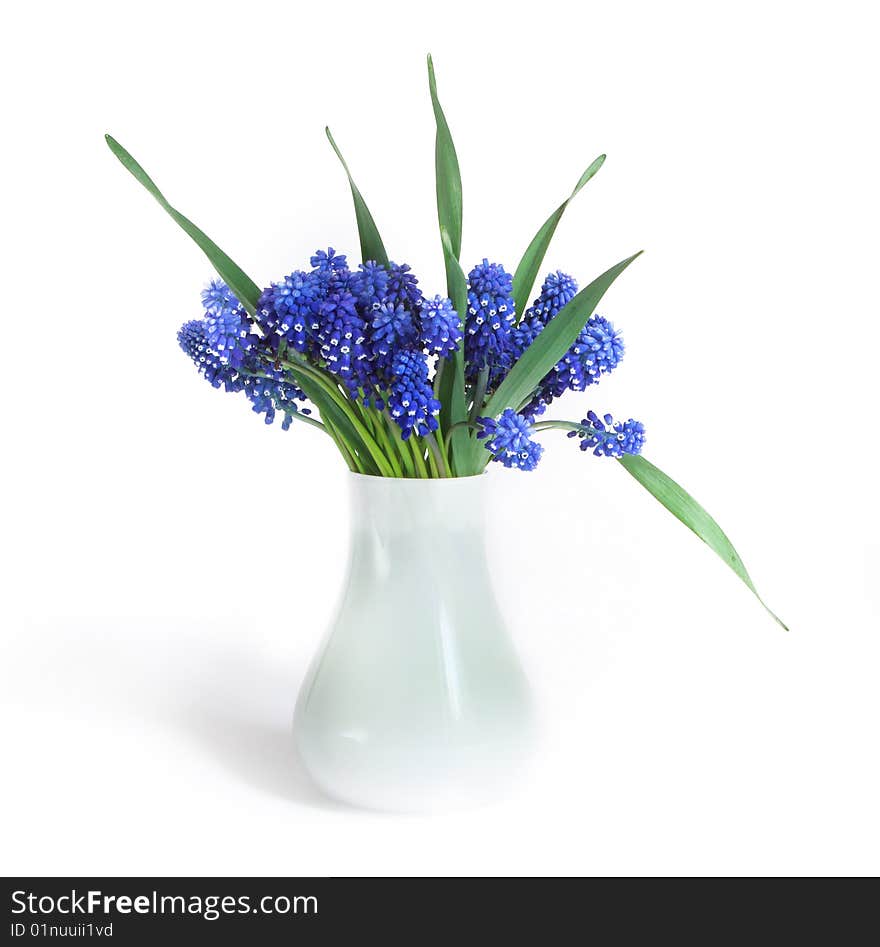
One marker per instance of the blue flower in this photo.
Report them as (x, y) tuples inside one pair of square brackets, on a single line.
[(596, 351), (488, 330), (403, 287), (270, 394), (522, 334), (330, 270), (288, 309), (610, 439), (265, 387), (509, 440), (328, 260), (393, 331), (557, 291), (440, 326), (341, 335), (489, 319), (490, 278), (191, 338), (369, 284), (411, 400), (228, 334), (217, 296)]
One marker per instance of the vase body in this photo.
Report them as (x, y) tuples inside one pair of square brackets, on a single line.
[(416, 700)]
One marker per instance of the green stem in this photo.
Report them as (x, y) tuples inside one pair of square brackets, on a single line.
[(299, 416), (437, 455), (444, 450), (433, 469), (378, 425), (392, 432), (421, 468), (479, 394), (438, 374), (558, 425), (344, 404)]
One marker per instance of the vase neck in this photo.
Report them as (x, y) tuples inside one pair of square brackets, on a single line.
[(387, 506)]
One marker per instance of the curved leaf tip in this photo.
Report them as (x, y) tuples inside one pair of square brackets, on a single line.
[(686, 509), (244, 288), (530, 265), (372, 247)]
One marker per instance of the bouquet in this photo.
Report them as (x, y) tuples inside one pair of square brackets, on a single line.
[(408, 384)]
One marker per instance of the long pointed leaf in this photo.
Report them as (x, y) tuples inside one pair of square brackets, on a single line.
[(553, 342), (453, 390), (372, 247), (449, 214), (685, 508), (245, 289), (449, 199), (530, 264)]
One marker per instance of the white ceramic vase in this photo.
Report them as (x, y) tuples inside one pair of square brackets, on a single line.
[(416, 700)]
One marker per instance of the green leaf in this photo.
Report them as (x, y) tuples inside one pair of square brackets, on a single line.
[(553, 342), (449, 214), (449, 200), (685, 508), (453, 389), (372, 247), (245, 289), (530, 264)]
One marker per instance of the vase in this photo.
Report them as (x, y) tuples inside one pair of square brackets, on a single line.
[(416, 700)]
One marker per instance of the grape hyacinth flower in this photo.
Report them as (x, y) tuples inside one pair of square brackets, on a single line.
[(288, 309), (192, 339), (509, 440), (608, 438), (330, 269), (411, 400), (270, 394), (369, 350), (328, 260), (341, 334), (266, 394), (489, 317), (369, 284), (228, 332), (557, 291), (403, 287), (440, 326), (217, 296), (393, 330), (597, 350), (492, 279)]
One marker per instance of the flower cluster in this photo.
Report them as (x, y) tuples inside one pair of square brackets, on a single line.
[(608, 438), (357, 323), (509, 440), (375, 333), (489, 321), (370, 327), (495, 338), (263, 385), (411, 402), (404, 385)]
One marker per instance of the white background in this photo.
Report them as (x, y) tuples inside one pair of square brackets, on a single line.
[(170, 563)]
